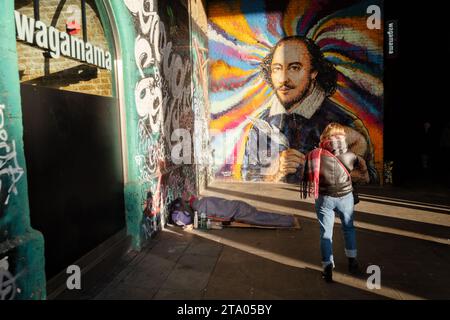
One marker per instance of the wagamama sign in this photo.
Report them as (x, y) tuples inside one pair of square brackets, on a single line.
[(59, 43)]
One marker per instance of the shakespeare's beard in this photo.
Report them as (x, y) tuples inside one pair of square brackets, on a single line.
[(289, 95), (288, 103)]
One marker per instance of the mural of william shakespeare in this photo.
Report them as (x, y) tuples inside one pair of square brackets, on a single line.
[(303, 81)]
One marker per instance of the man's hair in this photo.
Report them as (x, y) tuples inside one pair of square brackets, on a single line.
[(326, 73)]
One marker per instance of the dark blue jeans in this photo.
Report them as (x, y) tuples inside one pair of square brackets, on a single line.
[(326, 207)]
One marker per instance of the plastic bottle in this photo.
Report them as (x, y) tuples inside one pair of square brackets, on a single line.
[(195, 220), (208, 224), (203, 220)]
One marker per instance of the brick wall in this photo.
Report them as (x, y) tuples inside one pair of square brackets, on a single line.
[(63, 73)]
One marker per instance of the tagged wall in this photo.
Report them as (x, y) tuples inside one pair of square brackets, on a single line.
[(160, 152), (200, 101), (249, 105), (22, 273)]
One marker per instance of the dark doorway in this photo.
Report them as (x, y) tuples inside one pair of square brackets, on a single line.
[(74, 167)]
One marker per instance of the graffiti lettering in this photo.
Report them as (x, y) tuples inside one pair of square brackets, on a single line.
[(148, 157), (163, 82), (163, 105), (7, 281), (10, 170), (7, 285), (149, 226), (200, 103)]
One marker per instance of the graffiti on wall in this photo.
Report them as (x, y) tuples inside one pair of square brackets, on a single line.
[(177, 183), (10, 170), (8, 288), (163, 104), (200, 104), (162, 93), (280, 72)]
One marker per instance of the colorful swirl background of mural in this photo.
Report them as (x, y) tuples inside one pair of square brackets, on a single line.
[(241, 34)]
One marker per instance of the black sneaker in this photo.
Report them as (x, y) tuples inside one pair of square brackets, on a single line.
[(327, 273), (353, 266)]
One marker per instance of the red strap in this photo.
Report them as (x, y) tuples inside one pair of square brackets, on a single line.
[(339, 161)]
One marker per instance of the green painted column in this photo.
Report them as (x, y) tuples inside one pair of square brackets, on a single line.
[(127, 19), (22, 272), (134, 190)]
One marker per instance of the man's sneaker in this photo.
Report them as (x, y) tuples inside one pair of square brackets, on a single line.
[(353, 266), (327, 273)]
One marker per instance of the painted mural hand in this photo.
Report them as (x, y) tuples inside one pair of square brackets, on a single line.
[(360, 174), (287, 162), (290, 160), (356, 142)]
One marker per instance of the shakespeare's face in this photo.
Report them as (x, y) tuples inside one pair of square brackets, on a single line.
[(291, 72)]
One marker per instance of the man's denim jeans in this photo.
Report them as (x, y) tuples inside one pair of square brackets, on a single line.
[(326, 207)]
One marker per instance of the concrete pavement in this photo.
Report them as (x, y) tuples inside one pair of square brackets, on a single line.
[(405, 233)]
